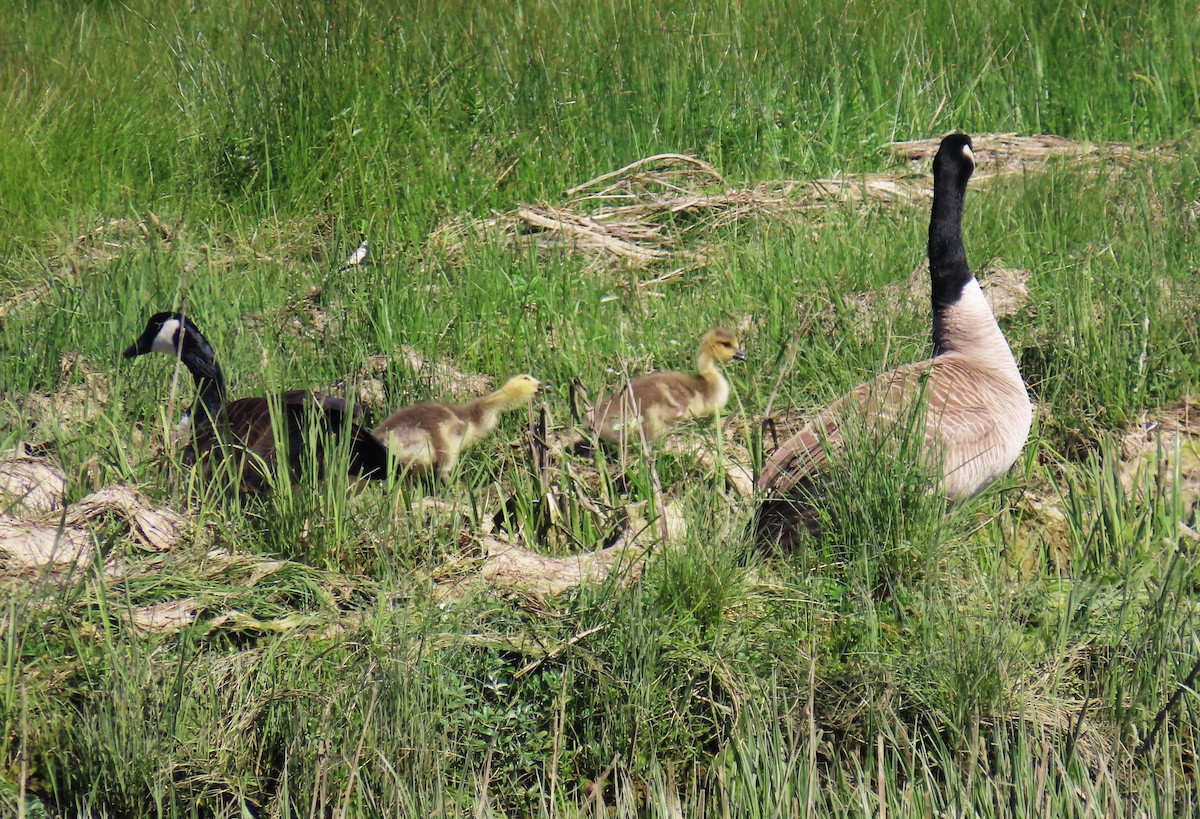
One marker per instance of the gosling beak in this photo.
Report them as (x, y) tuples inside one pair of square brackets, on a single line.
[(544, 386), (739, 354)]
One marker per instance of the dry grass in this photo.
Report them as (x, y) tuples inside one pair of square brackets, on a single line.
[(998, 154), (1167, 442), (657, 211), (30, 486), (47, 536), (71, 406)]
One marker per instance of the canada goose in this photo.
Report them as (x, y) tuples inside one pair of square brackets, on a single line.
[(660, 400), (432, 435), (977, 410), (245, 424)]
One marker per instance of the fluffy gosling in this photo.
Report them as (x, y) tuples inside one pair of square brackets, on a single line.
[(432, 436), (659, 401)]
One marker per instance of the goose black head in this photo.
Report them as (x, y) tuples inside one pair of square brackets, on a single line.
[(165, 333), (175, 335), (955, 159)]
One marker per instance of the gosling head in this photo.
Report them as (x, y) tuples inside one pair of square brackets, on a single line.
[(955, 159), (167, 333), (722, 346), (520, 388)]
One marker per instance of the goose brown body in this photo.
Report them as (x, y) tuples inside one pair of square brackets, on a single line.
[(659, 401), (432, 436), (248, 425), (973, 424), (248, 431), (977, 412)]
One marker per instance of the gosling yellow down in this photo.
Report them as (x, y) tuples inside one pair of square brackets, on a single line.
[(433, 436), (654, 403)]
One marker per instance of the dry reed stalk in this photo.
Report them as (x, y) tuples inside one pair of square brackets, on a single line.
[(658, 209)]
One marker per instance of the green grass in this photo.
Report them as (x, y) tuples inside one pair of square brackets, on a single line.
[(984, 662)]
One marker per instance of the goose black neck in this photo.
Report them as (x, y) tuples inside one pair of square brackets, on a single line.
[(210, 381), (948, 270)]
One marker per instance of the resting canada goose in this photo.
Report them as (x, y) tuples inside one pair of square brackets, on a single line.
[(977, 410), (432, 436), (245, 424), (656, 402)]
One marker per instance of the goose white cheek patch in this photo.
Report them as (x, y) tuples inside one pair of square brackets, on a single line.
[(164, 342)]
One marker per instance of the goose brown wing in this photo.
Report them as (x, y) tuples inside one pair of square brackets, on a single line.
[(330, 417), (241, 436), (885, 399), (368, 455), (332, 403), (804, 454), (960, 406), (967, 403), (793, 478), (246, 424)]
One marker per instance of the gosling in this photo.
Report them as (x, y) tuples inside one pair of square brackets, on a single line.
[(431, 437), (657, 402)]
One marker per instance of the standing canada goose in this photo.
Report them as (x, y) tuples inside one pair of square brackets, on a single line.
[(245, 425), (432, 435), (658, 401), (977, 410)]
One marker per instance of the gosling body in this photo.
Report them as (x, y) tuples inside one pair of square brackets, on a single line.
[(653, 404), (431, 437)]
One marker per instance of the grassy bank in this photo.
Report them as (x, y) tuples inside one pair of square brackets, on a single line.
[(329, 653)]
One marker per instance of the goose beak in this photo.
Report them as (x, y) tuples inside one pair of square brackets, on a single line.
[(144, 343), (739, 354)]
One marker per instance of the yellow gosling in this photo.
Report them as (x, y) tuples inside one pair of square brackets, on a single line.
[(432, 436), (659, 401)]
